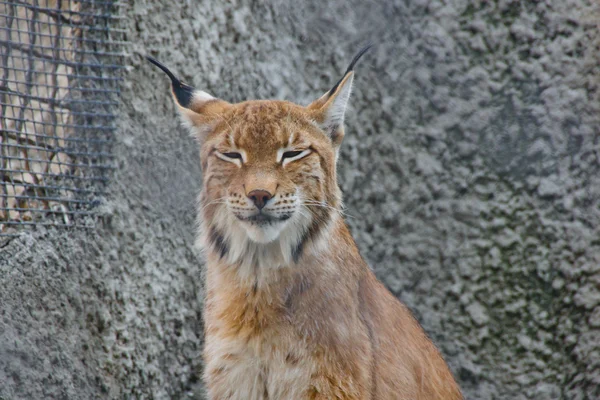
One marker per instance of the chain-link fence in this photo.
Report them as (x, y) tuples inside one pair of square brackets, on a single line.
[(58, 85)]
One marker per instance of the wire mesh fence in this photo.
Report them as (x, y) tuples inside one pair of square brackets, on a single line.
[(61, 63)]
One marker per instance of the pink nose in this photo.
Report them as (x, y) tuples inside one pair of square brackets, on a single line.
[(260, 198)]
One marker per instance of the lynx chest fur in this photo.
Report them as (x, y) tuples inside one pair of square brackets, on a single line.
[(292, 310), (271, 341)]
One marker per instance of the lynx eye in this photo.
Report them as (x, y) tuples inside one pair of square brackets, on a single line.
[(232, 157), (289, 156)]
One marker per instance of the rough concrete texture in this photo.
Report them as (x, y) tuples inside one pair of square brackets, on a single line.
[(471, 175)]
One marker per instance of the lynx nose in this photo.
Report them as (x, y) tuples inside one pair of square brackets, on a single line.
[(260, 198)]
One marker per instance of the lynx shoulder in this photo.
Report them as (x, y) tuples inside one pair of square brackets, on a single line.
[(292, 310)]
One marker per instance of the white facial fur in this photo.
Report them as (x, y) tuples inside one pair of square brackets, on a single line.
[(263, 234), (246, 252), (279, 209)]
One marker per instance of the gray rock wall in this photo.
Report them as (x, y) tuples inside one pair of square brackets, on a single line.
[(470, 170)]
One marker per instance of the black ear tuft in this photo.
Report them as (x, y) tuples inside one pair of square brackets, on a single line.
[(183, 93), (351, 66), (358, 56), (164, 69)]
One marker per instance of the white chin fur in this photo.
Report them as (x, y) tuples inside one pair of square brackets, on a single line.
[(265, 233), (251, 246)]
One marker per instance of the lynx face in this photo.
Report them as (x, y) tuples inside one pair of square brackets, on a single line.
[(269, 170), (269, 181)]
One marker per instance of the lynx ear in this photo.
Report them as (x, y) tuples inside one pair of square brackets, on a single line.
[(197, 108), (329, 109)]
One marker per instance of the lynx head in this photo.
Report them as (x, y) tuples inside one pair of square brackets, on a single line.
[(269, 169)]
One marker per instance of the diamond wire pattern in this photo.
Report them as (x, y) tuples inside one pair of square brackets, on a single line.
[(61, 64)]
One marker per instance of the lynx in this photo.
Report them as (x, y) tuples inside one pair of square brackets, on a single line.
[(292, 310)]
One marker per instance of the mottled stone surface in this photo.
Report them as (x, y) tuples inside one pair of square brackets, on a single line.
[(470, 170)]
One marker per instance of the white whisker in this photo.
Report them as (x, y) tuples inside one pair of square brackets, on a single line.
[(325, 205), (220, 200)]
